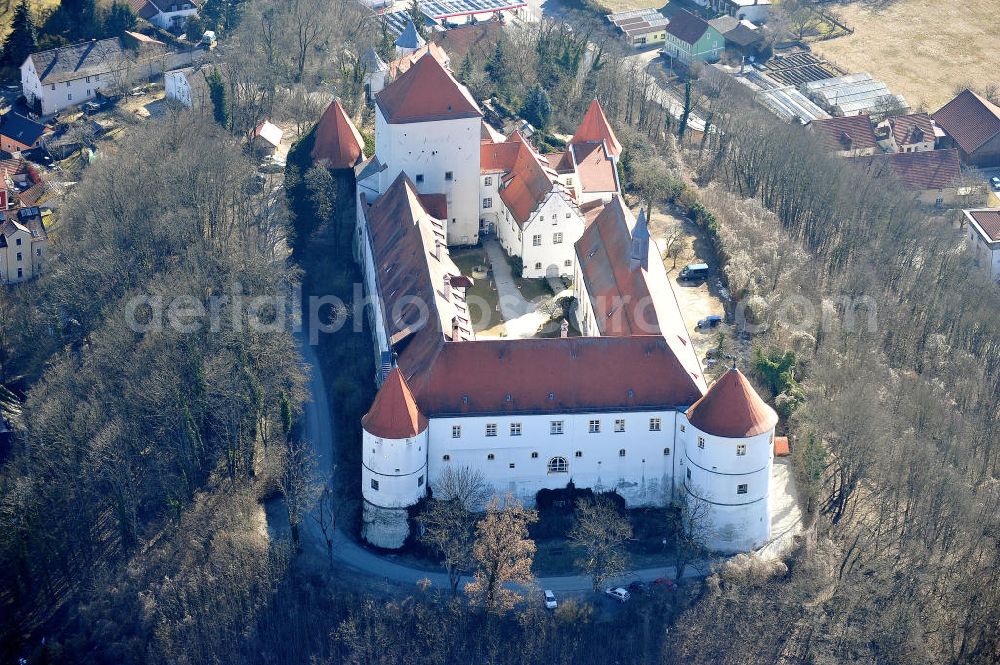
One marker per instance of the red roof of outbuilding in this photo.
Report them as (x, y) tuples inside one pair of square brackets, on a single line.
[(916, 171), (394, 413), (969, 119), (595, 128), (338, 143), (596, 170), (527, 178), (425, 92), (852, 132), (732, 409)]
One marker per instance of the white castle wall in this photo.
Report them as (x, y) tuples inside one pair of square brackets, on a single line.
[(427, 152), (715, 473), (556, 214), (398, 466)]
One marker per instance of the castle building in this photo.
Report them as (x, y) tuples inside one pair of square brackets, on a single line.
[(624, 407)]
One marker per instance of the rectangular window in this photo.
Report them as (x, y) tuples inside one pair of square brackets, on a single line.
[(568, 215), (701, 442), (491, 429), (666, 451), (619, 424), (456, 431), (568, 263), (556, 427), (488, 181), (374, 484), (511, 465), (595, 426), (420, 481), (654, 424), (18, 242), (448, 175), (689, 474), (88, 79), (69, 96), (515, 429), (683, 428), (19, 256), (420, 178), (488, 202), (536, 240), (741, 489), (741, 449), (557, 238)]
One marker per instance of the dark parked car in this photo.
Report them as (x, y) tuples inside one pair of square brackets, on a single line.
[(637, 587), (693, 272), (709, 322)]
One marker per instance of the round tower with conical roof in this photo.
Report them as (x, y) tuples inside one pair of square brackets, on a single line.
[(394, 461), (727, 439)]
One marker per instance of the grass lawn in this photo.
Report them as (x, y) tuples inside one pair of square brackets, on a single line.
[(922, 49), (490, 322)]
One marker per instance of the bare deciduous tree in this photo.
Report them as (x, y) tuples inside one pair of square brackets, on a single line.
[(600, 534), (503, 553)]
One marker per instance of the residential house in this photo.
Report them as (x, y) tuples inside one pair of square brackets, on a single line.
[(338, 144), (972, 124), (906, 133), (641, 27), (267, 138), (23, 242), (756, 11), (18, 133), (165, 14), (690, 38), (934, 177), (741, 36), (189, 86), (846, 136), (984, 235)]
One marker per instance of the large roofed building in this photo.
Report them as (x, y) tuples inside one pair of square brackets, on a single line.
[(972, 124)]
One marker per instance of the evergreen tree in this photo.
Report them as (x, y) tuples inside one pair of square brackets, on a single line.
[(537, 108), (497, 68), (118, 19), (416, 16), (687, 111), (467, 69), (22, 40), (220, 98)]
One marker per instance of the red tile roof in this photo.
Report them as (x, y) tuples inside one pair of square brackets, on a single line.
[(912, 128), (338, 143), (595, 128), (970, 120), (425, 92), (853, 132), (401, 65), (594, 168), (732, 409), (144, 9), (560, 162), (917, 171), (781, 448), (988, 219), (527, 180), (394, 413), (436, 205)]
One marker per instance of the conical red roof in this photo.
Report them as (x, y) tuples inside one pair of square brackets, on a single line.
[(732, 409), (338, 143), (595, 127), (425, 92), (394, 413)]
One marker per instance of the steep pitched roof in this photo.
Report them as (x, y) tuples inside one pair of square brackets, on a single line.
[(78, 60), (853, 132), (23, 130), (372, 62), (917, 171), (144, 9), (409, 37), (631, 298), (687, 27), (338, 143), (270, 132), (394, 413), (987, 220), (912, 128), (527, 178), (732, 409), (426, 92), (969, 119), (595, 128)]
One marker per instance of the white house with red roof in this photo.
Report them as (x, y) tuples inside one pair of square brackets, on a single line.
[(984, 237)]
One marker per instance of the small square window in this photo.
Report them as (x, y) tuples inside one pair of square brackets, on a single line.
[(595, 426), (568, 215), (741, 449), (488, 181), (701, 442), (448, 175), (568, 263), (491, 457), (619, 424), (18, 242), (557, 238), (374, 484), (19, 256), (456, 431), (621, 453), (683, 428), (654, 424), (420, 178), (556, 427), (742, 488), (578, 453), (511, 465), (536, 240), (515, 429), (666, 451), (534, 455), (491, 429), (487, 202), (446, 458), (538, 266)]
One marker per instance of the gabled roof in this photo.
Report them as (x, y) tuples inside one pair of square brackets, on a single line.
[(394, 413), (917, 171), (372, 62), (527, 179), (424, 93), (853, 132), (409, 37), (687, 27), (23, 130), (594, 167), (401, 65), (269, 132), (732, 409), (72, 62), (595, 128), (912, 128), (338, 143), (970, 120), (144, 9), (987, 222)]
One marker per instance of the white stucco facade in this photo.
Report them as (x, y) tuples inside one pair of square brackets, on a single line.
[(545, 241)]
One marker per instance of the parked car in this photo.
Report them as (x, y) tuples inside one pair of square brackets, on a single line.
[(709, 322), (618, 593), (693, 272), (637, 587), (550, 600), (995, 183)]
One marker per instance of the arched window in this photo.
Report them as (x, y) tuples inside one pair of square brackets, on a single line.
[(558, 465)]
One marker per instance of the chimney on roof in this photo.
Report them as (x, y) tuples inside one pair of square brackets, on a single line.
[(456, 332), (447, 287), (564, 328), (437, 248), (640, 243)]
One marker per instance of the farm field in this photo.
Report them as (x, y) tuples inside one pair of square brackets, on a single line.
[(922, 49)]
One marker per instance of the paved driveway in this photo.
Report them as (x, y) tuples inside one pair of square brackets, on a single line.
[(521, 318)]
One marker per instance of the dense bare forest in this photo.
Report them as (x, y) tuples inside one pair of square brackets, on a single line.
[(132, 525)]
